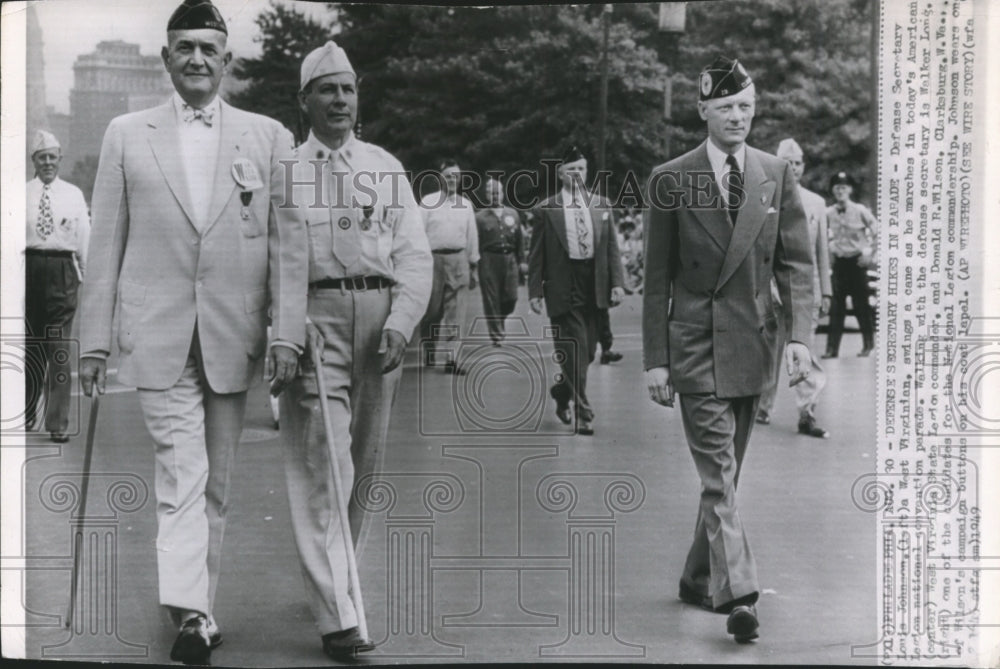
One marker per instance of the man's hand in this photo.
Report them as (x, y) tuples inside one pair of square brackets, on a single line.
[(524, 268), (314, 342), (281, 368), (798, 361), (392, 348), (472, 277), (93, 372), (536, 304), (661, 390), (824, 305), (617, 295)]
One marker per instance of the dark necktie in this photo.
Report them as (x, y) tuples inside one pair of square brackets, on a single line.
[(734, 184)]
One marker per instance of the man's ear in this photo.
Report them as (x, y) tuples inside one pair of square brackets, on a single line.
[(302, 101), (701, 110), (165, 55), (227, 59)]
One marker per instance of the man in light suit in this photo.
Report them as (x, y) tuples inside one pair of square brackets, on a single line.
[(191, 249), (574, 265), (723, 220)]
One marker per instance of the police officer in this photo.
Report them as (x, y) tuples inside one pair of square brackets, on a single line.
[(806, 391), (55, 257), (853, 231), (369, 280), (450, 222), (501, 246)]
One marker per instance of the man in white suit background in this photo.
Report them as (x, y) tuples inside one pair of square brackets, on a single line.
[(191, 247)]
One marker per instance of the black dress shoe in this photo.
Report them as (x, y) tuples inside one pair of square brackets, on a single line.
[(763, 417), (610, 356), (742, 623), (689, 595), (584, 427), (829, 354), (59, 437), (563, 413), (193, 645), (345, 644), (866, 351), (808, 426)]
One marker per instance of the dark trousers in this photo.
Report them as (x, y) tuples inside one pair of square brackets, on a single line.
[(850, 278), (604, 336), (719, 564), (498, 285), (50, 289), (575, 339)]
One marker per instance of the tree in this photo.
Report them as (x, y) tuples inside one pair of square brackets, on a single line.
[(272, 80)]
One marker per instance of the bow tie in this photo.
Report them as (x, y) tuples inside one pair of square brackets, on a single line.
[(191, 114), (841, 208)]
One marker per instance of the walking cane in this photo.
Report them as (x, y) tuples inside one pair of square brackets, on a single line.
[(342, 501), (88, 452)]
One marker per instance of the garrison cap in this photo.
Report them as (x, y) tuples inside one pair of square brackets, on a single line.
[(195, 15), (327, 59), (788, 149), (843, 179), (572, 155), (724, 77), (44, 140)]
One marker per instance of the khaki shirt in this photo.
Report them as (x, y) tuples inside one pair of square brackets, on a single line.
[(383, 215)]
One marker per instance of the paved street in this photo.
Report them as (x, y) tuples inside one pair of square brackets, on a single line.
[(497, 535)]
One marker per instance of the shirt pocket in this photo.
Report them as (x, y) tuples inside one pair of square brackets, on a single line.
[(320, 239)]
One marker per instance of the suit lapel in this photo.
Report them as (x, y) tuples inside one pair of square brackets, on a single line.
[(163, 140), (708, 209), (223, 185), (759, 190), (558, 221), (596, 222)]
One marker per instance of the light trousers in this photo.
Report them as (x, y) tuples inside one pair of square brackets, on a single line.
[(360, 400)]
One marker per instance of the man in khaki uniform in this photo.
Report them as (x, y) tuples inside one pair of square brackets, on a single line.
[(806, 391), (369, 280)]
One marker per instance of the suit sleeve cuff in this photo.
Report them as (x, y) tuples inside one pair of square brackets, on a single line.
[(287, 344)]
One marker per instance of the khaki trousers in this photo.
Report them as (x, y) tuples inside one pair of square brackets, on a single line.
[(196, 432), (719, 563), (449, 291), (360, 399), (806, 392)]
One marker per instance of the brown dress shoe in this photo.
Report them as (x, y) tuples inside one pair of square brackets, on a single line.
[(742, 623)]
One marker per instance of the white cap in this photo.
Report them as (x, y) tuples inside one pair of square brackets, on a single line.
[(44, 140), (789, 149), (327, 59)]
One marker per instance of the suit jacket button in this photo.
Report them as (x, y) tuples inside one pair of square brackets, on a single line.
[(717, 296), (767, 259)]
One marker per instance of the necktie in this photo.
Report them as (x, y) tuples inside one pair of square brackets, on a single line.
[(734, 184), (191, 115), (346, 236), (45, 225), (582, 241)]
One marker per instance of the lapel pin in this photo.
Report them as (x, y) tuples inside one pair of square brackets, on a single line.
[(763, 199), (245, 197)]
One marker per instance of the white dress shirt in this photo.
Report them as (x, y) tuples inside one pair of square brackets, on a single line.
[(70, 219), (199, 151), (717, 158), (450, 222), (574, 205)]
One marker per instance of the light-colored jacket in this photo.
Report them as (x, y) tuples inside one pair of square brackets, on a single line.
[(160, 275)]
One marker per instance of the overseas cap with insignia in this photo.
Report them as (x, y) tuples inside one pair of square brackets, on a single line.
[(196, 15), (572, 155), (842, 179), (789, 149), (44, 140), (327, 59), (724, 77)]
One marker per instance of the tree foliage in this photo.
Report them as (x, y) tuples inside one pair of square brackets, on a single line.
[(506, 87)]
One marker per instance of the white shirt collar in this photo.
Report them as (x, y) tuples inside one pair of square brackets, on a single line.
[(179, 103), (568, 195), (717, 157)]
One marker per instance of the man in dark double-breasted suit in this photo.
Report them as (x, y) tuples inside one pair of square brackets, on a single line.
[(574, 265), (723, 220)]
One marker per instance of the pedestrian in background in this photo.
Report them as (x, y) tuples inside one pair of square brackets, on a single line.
[(58, 231), (501, 248)]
